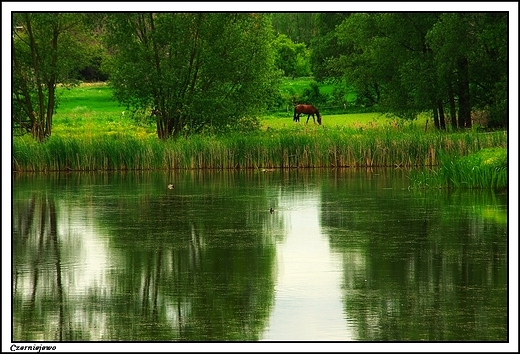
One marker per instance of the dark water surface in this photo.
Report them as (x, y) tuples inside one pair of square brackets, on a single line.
[(346, 255)]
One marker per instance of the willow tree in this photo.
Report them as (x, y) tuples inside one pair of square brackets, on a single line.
[(194, 71), (47, 47)]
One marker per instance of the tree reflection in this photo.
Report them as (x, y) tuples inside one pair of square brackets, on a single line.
[(122, 257), (36, 244), (419, 266), (188, 267)]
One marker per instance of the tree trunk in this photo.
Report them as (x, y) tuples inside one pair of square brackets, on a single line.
[(378, 93), (442, 120), (453, 113), (42, 119), (37, 117), (51, 84), (167, 127), (436, 118), (464, 95), (160, 127)]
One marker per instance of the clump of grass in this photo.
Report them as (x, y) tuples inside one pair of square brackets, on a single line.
[(486, 168)]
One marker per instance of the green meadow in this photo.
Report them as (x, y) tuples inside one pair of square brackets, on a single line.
[(92, 132), (90, 110)]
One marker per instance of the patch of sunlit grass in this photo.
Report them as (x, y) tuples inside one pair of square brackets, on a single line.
[(359, 121)]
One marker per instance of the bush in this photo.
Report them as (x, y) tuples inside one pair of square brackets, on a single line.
[(312, 95)]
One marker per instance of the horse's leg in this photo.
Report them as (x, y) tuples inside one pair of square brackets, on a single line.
[(308, 117)]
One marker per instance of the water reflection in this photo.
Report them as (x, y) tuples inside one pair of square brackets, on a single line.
[(140, 265), (419, 265), (309, 279), (345, 255), (42, 259)]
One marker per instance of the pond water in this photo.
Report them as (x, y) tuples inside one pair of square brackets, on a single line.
[(345, 255)]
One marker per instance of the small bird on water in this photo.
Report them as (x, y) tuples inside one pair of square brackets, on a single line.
[(271, 210), (171, 186)]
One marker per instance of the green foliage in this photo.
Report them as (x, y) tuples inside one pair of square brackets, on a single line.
[(325, 44), (338, 95), (482, 38), (286, 51), (387, 64), (307, 90), (411, 63), (299, 27), (208, 71), (303, 63), (200, 71), (291, 58), (312, 95)]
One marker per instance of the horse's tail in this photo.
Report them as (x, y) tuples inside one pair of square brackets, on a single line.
[(294, 117)]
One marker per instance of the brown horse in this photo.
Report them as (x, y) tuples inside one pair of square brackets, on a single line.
[(306, 109)]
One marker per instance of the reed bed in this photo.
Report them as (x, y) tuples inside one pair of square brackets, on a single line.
[(486, 168), (284, 148)]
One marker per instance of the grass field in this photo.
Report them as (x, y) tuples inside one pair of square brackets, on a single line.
[(91, 110), (94, 96), (298, 85), (348, 120)]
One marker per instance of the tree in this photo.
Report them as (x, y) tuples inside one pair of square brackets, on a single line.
[(471, 60), (46, 48), (292, 58), (197, 71), (325, 45), (412, 63), (300, 27), (389, 62)]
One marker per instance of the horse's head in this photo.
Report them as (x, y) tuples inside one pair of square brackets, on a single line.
[(319, 119)]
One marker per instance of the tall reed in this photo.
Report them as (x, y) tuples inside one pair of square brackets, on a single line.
[(322, 147), (486, 168)]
